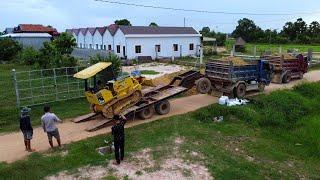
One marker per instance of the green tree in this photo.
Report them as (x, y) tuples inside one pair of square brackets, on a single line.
[(248, 30), (65, 43), (314, 29), (113, 71), (207, 32), (9, 49), (124, 22), (29, 56), (221, 39)]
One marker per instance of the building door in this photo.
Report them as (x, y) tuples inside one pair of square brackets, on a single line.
[(124, 51)]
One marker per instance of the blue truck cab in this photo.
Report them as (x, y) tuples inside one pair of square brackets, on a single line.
[(235, 79)]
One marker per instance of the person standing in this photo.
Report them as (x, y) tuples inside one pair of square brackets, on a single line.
[(48, 121), (26, 128), (118, 138)]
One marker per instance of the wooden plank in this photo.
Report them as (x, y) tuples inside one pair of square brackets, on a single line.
[(84, 117), (100, 124)]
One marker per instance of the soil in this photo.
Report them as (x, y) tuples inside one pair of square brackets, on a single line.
[(235, 60), (12, 147)]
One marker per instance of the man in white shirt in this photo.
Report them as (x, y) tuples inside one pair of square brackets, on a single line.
[(48, 121)]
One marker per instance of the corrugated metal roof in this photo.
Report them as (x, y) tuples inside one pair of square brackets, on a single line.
[(157, 30), (27, 35)]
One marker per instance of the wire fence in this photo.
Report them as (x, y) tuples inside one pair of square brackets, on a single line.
[(38, 87)]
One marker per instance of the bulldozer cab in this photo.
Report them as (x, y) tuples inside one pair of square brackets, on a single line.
[(104, 94)]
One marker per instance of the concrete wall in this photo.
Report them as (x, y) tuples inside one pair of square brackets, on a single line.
[(108, 40), (97, 40), (119, 39), (166, 46), (35, 42)]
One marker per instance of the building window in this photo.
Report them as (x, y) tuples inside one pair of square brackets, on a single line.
[(97, 46), (101, 46), (175, 47), (138, 49), (158, 48), (109, 47), (118, 48), (191, 47), (90, 45), (104, 47)]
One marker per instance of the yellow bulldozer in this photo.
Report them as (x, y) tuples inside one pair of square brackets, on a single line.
[(114, 96)]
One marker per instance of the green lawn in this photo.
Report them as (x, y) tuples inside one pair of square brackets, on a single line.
[(149, 72), (279, 132), (9, 113)]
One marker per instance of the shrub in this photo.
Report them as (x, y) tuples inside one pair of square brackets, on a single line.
[(9, 49), (28, 56)]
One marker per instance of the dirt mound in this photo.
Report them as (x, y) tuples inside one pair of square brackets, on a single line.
[(286, 56), (166, 79), (235, 60)]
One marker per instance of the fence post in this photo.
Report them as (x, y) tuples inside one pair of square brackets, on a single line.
[(55, 82), (30, 86), (15, 83), (78, 83)]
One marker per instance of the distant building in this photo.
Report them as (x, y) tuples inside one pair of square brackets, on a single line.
[(240, 44), (34, 40), (33, 35), (132, 42)]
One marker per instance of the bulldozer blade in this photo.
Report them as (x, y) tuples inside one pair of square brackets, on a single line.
[(84, 117), (100, 124), (148, 82)]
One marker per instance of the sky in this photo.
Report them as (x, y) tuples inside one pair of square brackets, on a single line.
[(63, 14)]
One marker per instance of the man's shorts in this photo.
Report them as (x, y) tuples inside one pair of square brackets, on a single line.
[(27, 135), (54, 134)]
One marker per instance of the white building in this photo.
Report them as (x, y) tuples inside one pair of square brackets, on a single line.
[(132, 42)]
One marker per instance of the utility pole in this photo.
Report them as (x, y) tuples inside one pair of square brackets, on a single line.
[(184, 22)]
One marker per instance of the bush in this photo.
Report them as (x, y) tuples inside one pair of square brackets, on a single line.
[(9, 49), (28, 56)]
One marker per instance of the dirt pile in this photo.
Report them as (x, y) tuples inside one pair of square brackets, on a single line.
[(237, 61)]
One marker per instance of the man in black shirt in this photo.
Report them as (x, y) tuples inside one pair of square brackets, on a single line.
[(26, 128), (118, 138)]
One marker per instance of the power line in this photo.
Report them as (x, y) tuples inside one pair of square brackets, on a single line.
[(204, 11)]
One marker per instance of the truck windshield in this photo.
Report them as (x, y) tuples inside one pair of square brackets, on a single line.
[(266, 66)]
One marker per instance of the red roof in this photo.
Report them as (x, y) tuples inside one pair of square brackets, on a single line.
[(92, 30), (34, 28), (83, 30), (113, 29), (102, 30)]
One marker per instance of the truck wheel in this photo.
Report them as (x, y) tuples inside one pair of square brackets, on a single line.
[(163, 107), (286, 78), (203, 85), (146, 113), (261, 86), (240, 91)]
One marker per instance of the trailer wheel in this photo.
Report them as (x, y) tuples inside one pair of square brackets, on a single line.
[(286, 78), (163, 107), (146, 113), (240, 90), (203, 85), (261, 86)]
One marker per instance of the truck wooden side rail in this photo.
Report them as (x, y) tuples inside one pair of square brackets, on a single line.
[(287, 68), (232, 79)]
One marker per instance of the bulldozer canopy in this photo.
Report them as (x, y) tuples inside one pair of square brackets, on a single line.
[(92, 70)]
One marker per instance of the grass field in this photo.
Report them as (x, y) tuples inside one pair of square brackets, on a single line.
[(272, 138), (9, 113), (274, 48)]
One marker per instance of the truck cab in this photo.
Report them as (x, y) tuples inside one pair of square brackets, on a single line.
[(265, 71)]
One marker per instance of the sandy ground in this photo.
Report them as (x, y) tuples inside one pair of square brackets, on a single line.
[(12, 147), (161, 68)]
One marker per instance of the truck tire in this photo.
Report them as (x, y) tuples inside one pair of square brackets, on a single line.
[(146, 113), (163, 107), (203, 85), (286, 78), (240, 90), (261, 86)]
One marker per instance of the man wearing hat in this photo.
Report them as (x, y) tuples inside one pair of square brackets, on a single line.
[(26, 128), (118, 138)]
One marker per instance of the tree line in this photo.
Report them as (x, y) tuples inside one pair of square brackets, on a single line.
[(292, 32)]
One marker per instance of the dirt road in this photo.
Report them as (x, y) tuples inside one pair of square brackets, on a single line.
[(12, 147)]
